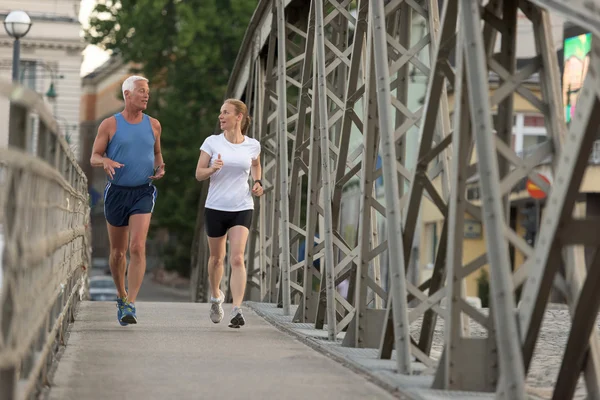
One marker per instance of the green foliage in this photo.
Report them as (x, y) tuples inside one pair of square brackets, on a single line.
[(187, 50)]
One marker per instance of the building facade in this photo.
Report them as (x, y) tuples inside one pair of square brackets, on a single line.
[(51, 57)]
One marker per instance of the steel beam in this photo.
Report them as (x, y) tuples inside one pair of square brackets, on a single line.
[(338, 93), (393, 217)]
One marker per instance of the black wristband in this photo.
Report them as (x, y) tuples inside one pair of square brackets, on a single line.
[(259, 182)]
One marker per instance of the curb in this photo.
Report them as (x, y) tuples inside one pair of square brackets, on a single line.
[(316, 345)]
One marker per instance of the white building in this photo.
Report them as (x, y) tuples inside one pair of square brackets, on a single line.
[(51, 55)]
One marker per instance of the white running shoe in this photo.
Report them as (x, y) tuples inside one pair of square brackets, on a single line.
[(216, 310)]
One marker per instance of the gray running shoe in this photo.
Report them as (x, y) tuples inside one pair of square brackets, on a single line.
[(237, 318), (216, 310)]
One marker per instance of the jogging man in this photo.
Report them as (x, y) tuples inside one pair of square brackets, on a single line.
[(127, 147)]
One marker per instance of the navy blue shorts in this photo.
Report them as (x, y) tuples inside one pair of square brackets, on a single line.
[(121, 202)]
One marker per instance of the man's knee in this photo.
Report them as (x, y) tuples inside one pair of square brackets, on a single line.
[(237, 261), (117, 254), (137, 249)]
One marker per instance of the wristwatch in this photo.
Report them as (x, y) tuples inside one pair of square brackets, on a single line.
[(259, 182)]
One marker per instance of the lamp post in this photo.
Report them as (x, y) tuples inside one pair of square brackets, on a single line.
[(17, 25)]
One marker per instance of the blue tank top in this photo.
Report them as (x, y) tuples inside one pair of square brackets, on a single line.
[(133, 146)]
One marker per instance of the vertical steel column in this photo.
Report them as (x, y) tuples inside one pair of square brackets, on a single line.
[(283, 157), (511, 360), (335, 25), (394, 221), (262, 222), (504, 123), (365, 221), (268, 139), (449, 370), (313, 214), (251, 253), (435, 120), (302, 161), (367, 174), (326, 174)]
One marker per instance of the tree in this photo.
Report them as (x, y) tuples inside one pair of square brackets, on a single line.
[(187, 50)]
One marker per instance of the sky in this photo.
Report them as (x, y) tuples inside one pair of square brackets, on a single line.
[(93, 56)]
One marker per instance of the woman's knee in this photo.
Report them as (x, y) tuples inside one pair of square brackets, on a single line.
[(216, 260), (237, 261)]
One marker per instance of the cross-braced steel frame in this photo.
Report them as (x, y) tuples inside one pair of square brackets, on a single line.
[(327, 82)]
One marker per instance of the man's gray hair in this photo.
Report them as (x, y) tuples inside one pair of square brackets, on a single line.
[(129, 83)]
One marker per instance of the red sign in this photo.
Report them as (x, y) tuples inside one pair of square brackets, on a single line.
[(534, 190)]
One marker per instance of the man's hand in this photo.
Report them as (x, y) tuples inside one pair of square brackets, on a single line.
[(109, 166), (257, 189), (217, 164), (159, 172)]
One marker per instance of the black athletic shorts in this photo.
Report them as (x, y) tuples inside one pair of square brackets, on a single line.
[(217, 222), (121, 202)]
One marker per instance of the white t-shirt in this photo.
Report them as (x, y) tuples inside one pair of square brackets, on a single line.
[(229, 189)]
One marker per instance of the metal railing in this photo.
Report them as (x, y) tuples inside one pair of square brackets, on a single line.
[(44, 214)]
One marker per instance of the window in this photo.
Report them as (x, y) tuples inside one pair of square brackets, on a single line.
[(534, 121), (431, 240), (28, 74), (533, 140)]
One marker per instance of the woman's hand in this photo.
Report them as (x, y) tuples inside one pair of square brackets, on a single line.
[(257, 189), (217, 164)]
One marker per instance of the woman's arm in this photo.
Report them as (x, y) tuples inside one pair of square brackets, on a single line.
[(203, 171), (256, 169)]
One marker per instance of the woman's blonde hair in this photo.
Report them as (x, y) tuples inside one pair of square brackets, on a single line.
[(241, 108)]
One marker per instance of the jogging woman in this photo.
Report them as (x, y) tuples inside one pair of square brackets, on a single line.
[(228, 159)]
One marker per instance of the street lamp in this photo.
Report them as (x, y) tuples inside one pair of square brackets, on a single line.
[(17, 25)]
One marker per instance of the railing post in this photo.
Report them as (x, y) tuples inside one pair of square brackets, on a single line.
[(8, 382)]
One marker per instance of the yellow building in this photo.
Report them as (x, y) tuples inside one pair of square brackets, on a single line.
[(528, 132)]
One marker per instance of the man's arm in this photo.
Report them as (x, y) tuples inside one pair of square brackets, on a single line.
[(159, 165), (158, 158), (101, 142)]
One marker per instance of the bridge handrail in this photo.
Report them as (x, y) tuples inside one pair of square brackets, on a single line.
[(44, 218)]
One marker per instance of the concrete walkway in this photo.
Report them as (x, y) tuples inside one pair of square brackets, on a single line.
[(176, 352)]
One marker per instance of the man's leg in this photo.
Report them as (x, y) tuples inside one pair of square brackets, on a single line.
[(238, 235), (138, 224), (117, 236)]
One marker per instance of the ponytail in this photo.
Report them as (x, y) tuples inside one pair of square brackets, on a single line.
[(246, 124)]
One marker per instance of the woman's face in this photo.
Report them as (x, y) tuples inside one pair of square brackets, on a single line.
[(228, 118)]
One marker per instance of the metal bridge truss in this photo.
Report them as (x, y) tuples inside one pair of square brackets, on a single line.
[(327, 83)]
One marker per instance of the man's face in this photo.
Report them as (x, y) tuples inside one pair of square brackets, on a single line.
[(138, 98)]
